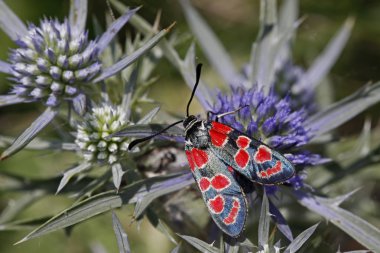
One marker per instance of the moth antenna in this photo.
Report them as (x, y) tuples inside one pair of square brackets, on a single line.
[(197, 77), (137, 141)]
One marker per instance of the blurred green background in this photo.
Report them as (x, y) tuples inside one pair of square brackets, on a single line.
[(236, 24)]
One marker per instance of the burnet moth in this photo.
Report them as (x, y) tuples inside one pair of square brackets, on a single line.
[(217, 154)]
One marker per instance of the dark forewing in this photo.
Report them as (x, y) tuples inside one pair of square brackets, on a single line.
[(248, 156), (222, 194)]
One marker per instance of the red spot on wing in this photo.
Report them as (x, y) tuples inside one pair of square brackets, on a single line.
[(217, 138), (204, 184), (231, 218), (242, 158), (216, 204), (220, 182), (200, 157), (243, 141), (277, 168), (221, 128), (190, 159), (263, 154), (230, 169)]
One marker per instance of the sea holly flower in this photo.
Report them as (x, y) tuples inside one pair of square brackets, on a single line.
[(282, 108), (56, 62), (280, 95), (270, 119), (92, 133)]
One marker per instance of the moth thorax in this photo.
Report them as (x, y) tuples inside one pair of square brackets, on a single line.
[(198, 135)]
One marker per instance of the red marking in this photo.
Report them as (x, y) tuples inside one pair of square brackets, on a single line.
[(217, 138), (231, 218), (263, 154), (200, 157), (204, 184), (230, 169), (190, 159), (277, 168), (242, 158), (220, 182), (243, 141), (216, 204), (221, 128)]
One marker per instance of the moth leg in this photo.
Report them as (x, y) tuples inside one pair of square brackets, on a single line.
[(209, 115)]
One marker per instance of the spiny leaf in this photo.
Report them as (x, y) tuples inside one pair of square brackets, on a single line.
[(199, 244), (67, 175), (264, 222), (365, 233), (19, 205), (106, 201), (280, 221), (78, 14), (39, 144), (147, 130), (210, 44), (325, 60), (297, 243), (108, 35), (117, 174), (28, 135), (128, 60), (149, 116), (6, 100), (10, 23), (121, 235), (344, 110)]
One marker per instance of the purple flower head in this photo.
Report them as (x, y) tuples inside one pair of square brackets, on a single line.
[(272, 120), (52, 62), (56, 61)]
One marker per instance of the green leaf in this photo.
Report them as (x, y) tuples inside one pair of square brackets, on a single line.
[(106, 201), (121, 235), (28, 135), (211, 45), (344, 110), (362, 231), (68, 174), (297, 243), (264, 222), (199, 244)]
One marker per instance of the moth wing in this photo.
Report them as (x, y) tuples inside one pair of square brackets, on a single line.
[(248, 156), (221, 193)]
